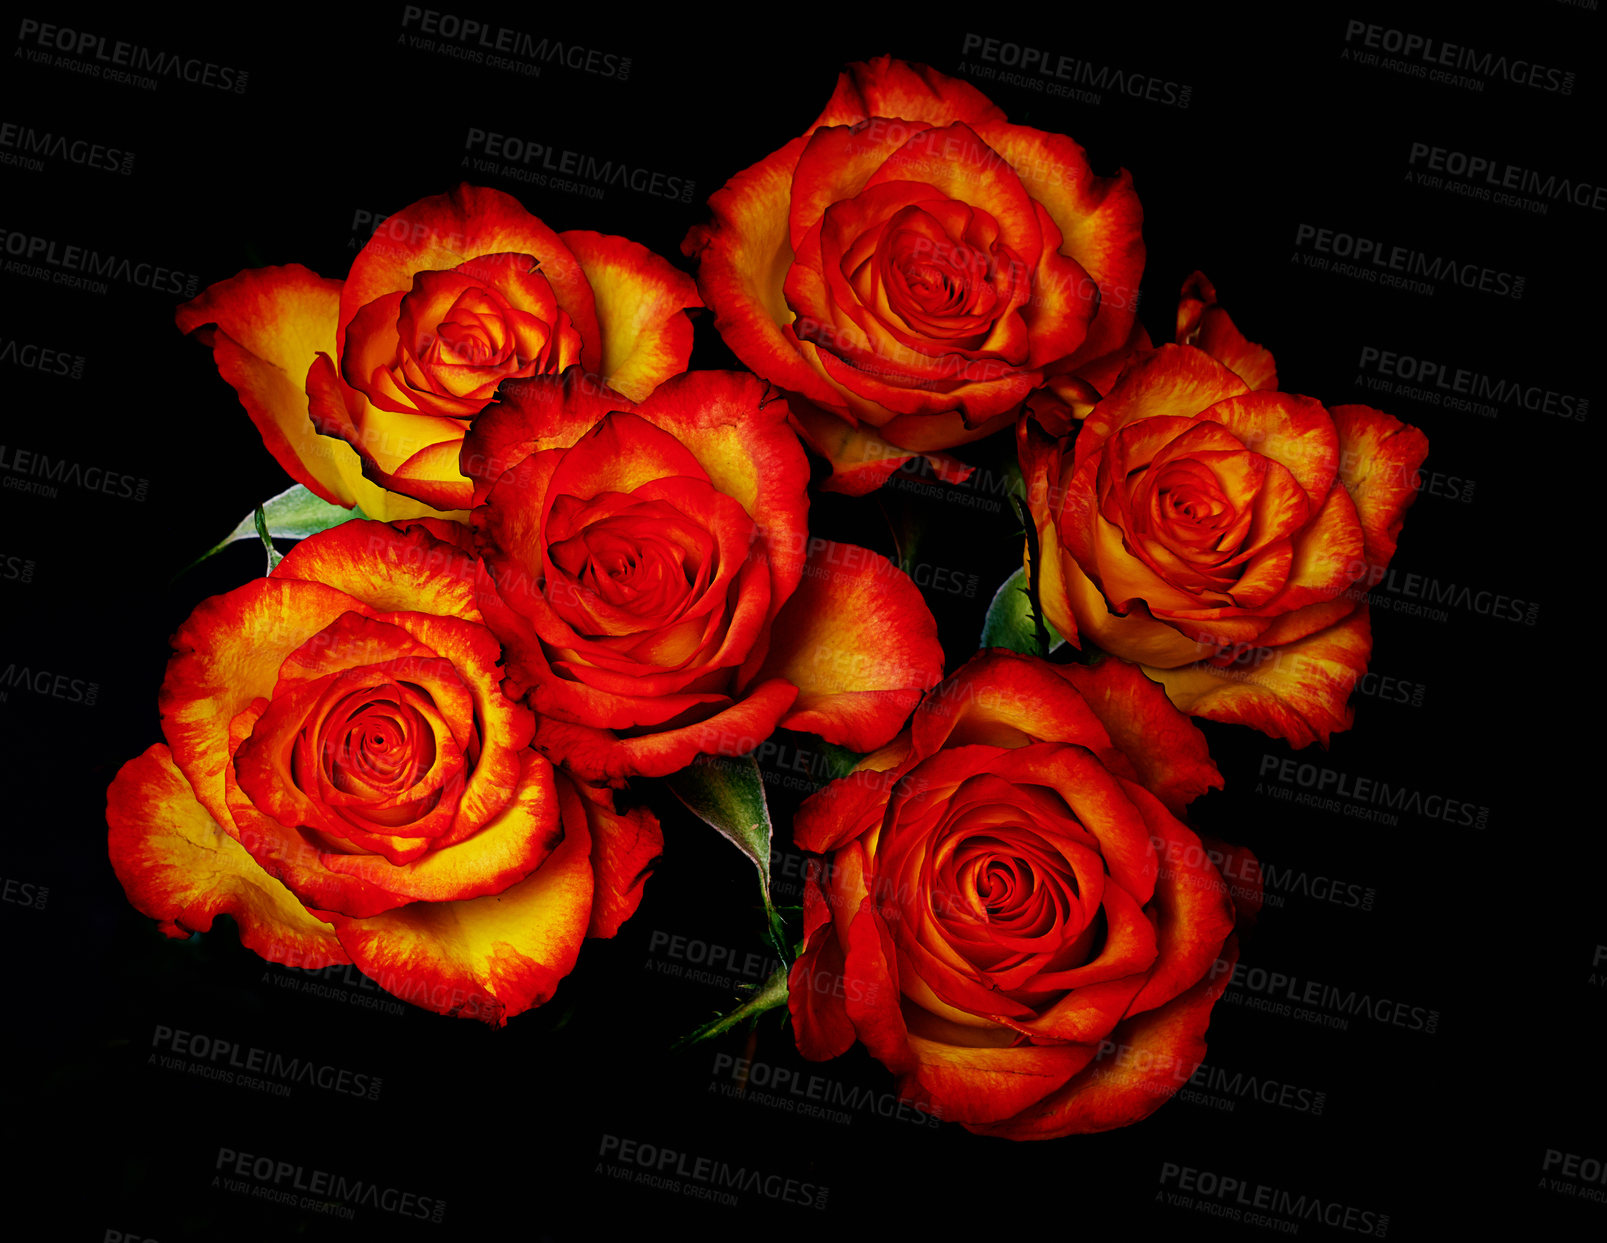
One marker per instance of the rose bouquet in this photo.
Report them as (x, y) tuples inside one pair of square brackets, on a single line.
[(552, 585)]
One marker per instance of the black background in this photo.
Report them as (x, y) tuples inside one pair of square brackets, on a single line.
[(1495, 928)]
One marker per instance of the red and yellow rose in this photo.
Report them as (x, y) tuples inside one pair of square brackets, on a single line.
[(1220, 533), (1010, 914), (913, 266), (363, 388), (344, 776), (657, 590)]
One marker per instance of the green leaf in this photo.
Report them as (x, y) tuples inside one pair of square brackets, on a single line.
[(294, 514), (840, 761), (274, 555), (727, 793), (767, 996), (1013, 623)]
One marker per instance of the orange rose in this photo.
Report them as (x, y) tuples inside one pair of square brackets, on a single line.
[(657, 590), (1215, 531), (344, 776), (914, 266), (448, 299), (1011, 917)]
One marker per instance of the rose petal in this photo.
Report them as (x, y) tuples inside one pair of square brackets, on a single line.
[(406, 569), (737, 429), (870, 989), (334, 408), (641, 301), (979, 1085), (438, 233), (1191, 907), (226, 655), (816, 988), (177, 866), (1004, 699), (1167, 750), (1141, 1066), (1298, 692), (265, 328), (1204, 324), (1378, 460), (850, 806), (599, 755), (743, 256), (625, 847), (1100, 222), (884, 87), (1173, 381), (488, 958), (861, 458), (503, 851), (859, 643)]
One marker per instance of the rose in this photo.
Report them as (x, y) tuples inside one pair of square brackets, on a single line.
[(1010, 915), (1220, 536), (913, 266), (450, 297), (344, 776), (657, 590)]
